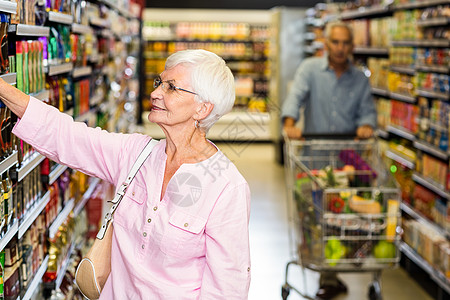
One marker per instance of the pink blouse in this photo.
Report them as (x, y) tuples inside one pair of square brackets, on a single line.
[(193, 244)]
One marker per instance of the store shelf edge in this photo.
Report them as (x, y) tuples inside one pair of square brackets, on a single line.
[(63, 268), (420, 261), (86, 196), (9, 162), (36, 279), (9, 235), (29, 165), (8, 7), (56, 173), (421, 219), (33, 214), (62, 216)]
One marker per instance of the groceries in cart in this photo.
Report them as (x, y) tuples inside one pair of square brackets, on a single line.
[(347, 208)]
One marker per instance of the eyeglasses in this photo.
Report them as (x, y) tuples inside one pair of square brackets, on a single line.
[(168, 86)]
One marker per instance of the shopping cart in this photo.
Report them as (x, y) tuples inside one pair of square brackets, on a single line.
[(343, 208)]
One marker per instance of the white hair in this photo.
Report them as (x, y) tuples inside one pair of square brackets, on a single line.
[(211, 80), (330, 25)]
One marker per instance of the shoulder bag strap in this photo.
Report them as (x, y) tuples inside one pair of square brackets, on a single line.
[(123, 188)]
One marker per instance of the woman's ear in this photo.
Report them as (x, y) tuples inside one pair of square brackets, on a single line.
[(204, 109)]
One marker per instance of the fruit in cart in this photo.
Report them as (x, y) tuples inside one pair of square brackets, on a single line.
[(337, 204), (334, 250), (350, 170), (365, 206), (384, 249)]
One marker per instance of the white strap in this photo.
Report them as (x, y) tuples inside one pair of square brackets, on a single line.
[(123, 188)]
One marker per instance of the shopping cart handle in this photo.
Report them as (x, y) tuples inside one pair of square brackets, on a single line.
[(329, 136)]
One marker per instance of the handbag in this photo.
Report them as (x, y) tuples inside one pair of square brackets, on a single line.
[(93, 270)]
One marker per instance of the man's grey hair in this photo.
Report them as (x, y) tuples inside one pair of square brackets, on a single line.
[(330, 25)]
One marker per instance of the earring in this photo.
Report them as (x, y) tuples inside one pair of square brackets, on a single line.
[(196, 124)]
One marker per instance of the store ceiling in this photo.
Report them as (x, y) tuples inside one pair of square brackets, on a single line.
[(231, 4)]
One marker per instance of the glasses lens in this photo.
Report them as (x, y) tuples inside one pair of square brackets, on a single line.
[(171, 87), (156, 82)]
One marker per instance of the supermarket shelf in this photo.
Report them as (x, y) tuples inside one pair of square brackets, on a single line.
[(371, 51), (103, 23), (418, 4), (364, 12), (382, 133), (96, 99), (87, 195), (401, 132), (9, 235), (81, 71), (63, 268), (380, 92), (58, 17), (30, 30), (125, 13), (443, 21), (421, 219), (42, 95), (403, 69), (81, 29), (433, 186), (433, 68), (401, 97), (29, 164), (431, 149), (36, 279), (10, 78), (437, 276), (62, 216), (59, 69), (8, 7), (7, 163), (400, 159), (433, 94), (33, 213), (422, 43), (56, 173)]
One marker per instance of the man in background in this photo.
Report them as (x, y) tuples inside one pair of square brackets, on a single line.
[(337, 99)]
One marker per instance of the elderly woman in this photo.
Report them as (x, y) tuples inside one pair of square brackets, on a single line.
[(181, 231)]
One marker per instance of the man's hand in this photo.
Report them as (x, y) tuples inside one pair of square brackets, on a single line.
[(293, 132), (290, 130), (364, 132)]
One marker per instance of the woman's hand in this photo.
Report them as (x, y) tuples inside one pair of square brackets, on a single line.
[(364, 132)]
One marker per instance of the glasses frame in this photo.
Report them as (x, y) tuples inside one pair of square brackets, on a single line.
[(158, 81)]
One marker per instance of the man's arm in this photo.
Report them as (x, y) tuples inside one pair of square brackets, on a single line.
[(290, 110), (367, 114)]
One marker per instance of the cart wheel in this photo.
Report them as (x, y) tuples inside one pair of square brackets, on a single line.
[(375, 291), (285, 290)]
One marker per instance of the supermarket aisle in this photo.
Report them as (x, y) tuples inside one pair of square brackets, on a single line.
[(270, 250)]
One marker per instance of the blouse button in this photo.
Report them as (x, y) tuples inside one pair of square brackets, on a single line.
[(144, 234), (248, 269), (149, 220), (132, 193), (155, 208), (186, 224), (143, 246)]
